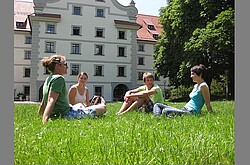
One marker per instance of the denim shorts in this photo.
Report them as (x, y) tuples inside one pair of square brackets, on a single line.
[(80, 113)]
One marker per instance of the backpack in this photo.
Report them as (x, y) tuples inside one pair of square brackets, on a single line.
[(97, 100)]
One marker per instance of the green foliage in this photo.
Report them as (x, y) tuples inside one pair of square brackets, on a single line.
[(217, 88), (216, 43), (196, 32), (133, 138), (180, 91)]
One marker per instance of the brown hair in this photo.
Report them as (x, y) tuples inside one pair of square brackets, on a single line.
[(50, 62), (199, 70), (147, 75), (82, 73)]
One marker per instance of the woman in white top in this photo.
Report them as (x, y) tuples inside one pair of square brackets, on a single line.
[(78, 93)]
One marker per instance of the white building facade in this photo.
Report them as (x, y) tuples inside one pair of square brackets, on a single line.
[(22, 49), (99, 37)]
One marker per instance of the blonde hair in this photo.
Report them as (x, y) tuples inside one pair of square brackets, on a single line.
[(50, 62), (147, 75)]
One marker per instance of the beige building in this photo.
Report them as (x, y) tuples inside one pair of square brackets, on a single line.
[(22, 48), (109, 41)]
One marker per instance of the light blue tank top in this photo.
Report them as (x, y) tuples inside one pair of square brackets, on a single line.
[(196, 101)]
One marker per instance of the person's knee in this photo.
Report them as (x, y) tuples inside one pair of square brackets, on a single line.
[(101, 110), (157, 104)]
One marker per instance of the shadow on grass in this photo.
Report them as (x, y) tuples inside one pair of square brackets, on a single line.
[(186, 99)]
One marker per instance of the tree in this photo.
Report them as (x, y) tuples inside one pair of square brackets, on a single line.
[(179, 20), (196, 32), (215, 44)]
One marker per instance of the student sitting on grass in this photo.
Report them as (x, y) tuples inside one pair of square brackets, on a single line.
[(79, 93), (54, 103), (146, 95), (199, 95)]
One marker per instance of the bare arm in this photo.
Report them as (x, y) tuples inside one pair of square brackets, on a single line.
[(142, 93), (131, 91), (72, 94), (206, 95), (41, 108), (128, 94), (52, 97), (87, 97)]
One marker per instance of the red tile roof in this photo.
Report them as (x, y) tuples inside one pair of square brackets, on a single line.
[(145, 33), (21, 11)]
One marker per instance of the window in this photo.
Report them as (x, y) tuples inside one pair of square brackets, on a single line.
[(100, 0), (140, 75), (75, 68), (98, 70), (51, 28), (141, 48), (157, 78), (26, 72), (76, 30), (99, 50), (121, 35), (77, 10), (20, 25), (75, 48), (98, 90), (27, 90), (100, 12), (151, 27), (155, 36), (28, 39), (121, 51), (140, 61), (121, 71), (50, 47), (27, 54), (99, 32)]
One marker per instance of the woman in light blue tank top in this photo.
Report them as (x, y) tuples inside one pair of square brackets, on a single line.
[(199, 96)]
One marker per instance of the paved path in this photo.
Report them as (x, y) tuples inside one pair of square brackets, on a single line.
[(26, 102)]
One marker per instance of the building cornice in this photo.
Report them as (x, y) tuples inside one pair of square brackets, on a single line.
[(22, 31), (127, 25), (145, 40), (45, 17)]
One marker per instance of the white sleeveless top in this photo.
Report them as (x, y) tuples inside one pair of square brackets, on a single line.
[(80, 98)]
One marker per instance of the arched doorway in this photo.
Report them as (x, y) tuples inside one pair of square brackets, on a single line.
[(119, 92), (41, 93)]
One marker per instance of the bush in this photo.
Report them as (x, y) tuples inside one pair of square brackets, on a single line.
[(217, 88), (180, 91)]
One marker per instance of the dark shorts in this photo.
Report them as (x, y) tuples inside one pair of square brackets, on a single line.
[(149, 107)]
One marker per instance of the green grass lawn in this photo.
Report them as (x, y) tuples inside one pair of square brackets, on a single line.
[(133, 138)]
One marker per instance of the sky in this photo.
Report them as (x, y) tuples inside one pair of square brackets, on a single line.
[(149, 7)]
